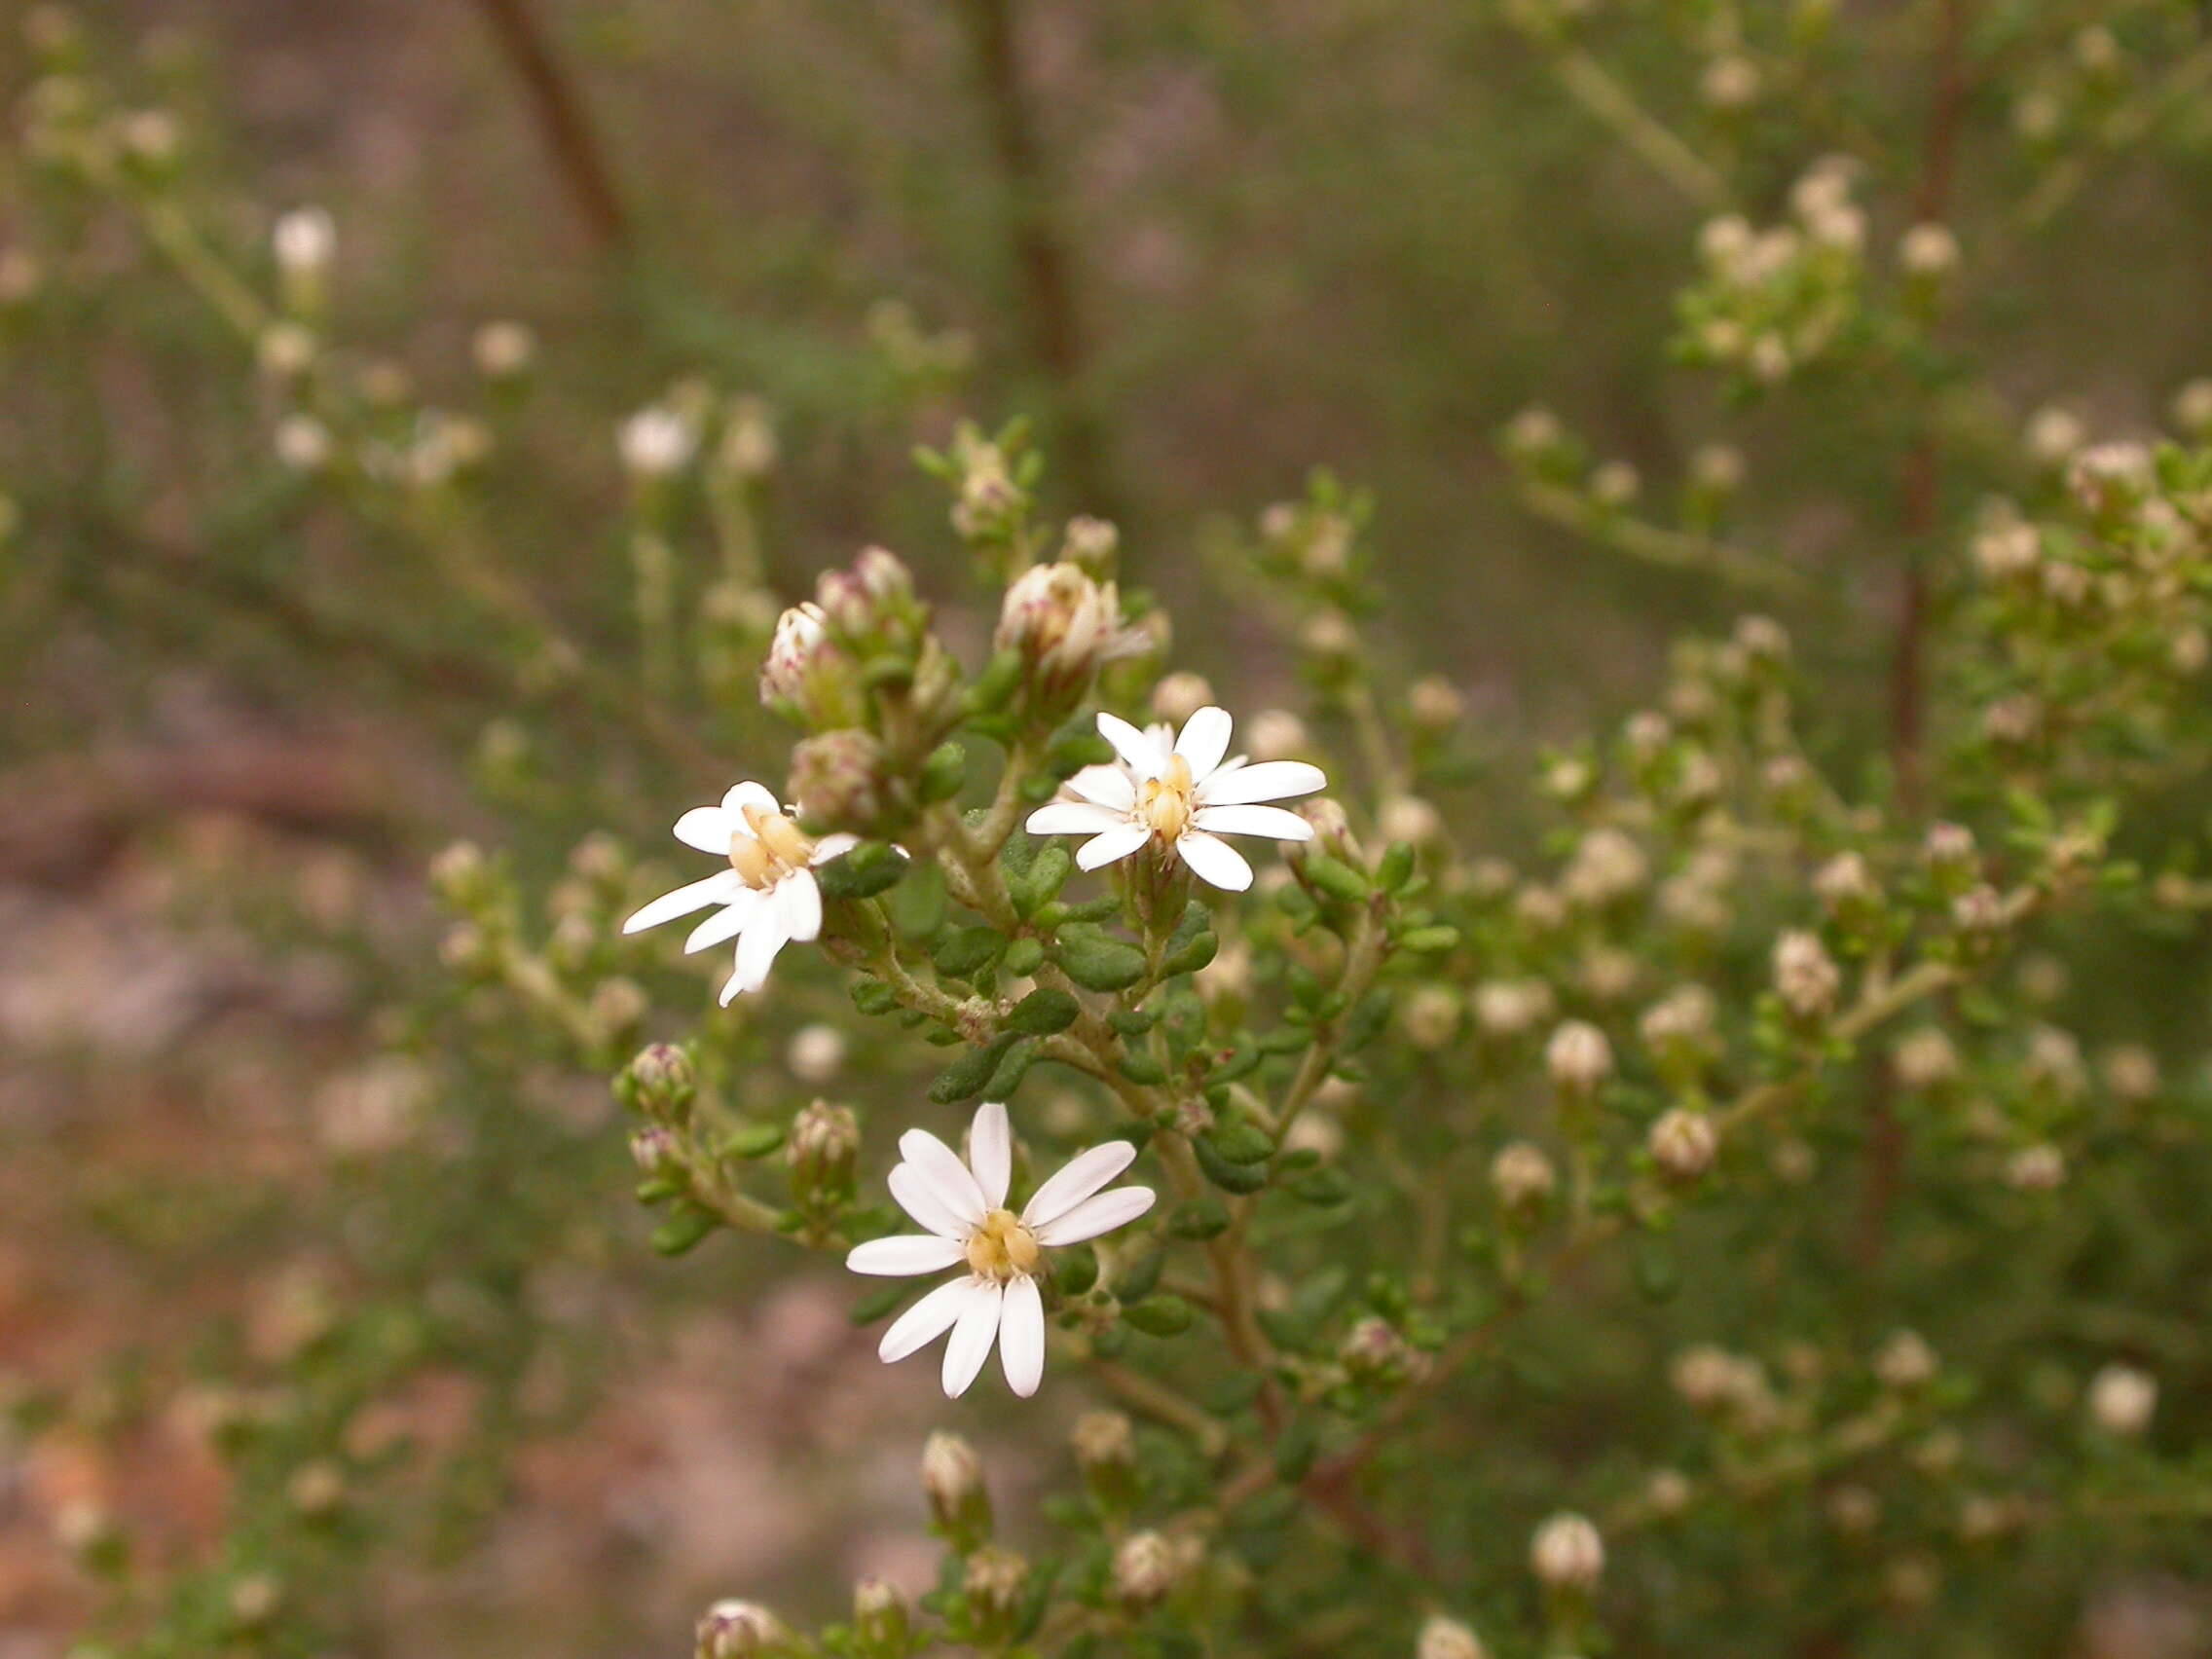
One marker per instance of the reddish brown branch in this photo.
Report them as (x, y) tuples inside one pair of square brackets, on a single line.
[(562, 121)]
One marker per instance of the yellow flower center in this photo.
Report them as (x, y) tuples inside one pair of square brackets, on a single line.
[(1002, 1248), (775, 848), (1165, 803)]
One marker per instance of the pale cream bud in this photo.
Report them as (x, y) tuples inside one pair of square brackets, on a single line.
[(657, 443), (1277, 734), (1805, 975), (1447, 1639), (1408, 817), (305, 242), (2122, 1399), (737, 1630), (816, 1054), (1144, 1570), (1905, 1361), (1683, 1143), (1436, 703), (2037, 1168), (1568, 1554), (1429, 1016), (1180, 695), (503, 350), (1578, 1057), (1522, 1177), (1928, 251)]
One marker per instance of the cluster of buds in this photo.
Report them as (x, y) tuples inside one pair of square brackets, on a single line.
[(858, 669), (1772, 301)]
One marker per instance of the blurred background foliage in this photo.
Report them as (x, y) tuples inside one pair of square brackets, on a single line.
[(1204, 246)]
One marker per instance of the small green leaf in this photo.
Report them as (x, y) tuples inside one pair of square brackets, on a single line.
[(1161, 1316), (967, 953), (686, 1224), (1230, 1177), (1429, 941), (1097, 962), (963, 1079), (1240, 1141), (1201, 1219), (943, 772), (1336, 879), (1043, 1012), (752, 1140), (867, 870)]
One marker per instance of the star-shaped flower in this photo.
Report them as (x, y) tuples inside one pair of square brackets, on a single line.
[(1179, 791), (768, 896), (963, 1205)]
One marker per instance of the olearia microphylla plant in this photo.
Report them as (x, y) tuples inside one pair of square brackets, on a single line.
[(1729, 1178)]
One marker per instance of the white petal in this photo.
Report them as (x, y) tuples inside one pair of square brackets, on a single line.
[(972, 1336), (1076, 1180), (990, 1152), (1105, 786), (1279, 822), (715, 889), (834, 847), (1142, 752), (1074, 817), (1021, 1336), (926, 1321), (1109, 845), (708, 828), (948, 1178), (757, 949), (919, 1199), (800, 900), (727, 922), (743, 796), (1094, 1216), (1214, 861), (904, 1255), (1204, 740), (1263, 779)]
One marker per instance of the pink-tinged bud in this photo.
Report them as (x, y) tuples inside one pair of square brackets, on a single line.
[(839, 781), (994, 1583), (738, 1630), (882, 1621), (1805, 975), (823, 1142), (1091, 544), (807, 675)]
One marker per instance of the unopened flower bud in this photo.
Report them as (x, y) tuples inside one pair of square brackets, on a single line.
[(1845, 884), (952, 1481), (316, 1489), (1522, 1178), (1905, 1361), (656, 443), (285, 350), (1435, 703), (839, 780), (1447, 1639), (1509, 1008), (823, 1141), (2037, 1168), (254, 1600), (1806, 977), (1928, 252), (1608, 866), (1578, 1057), (1683, 1143), (1091, 544), (1429, 1016), (2131, 1073), (737, 1630), (1925, 1059), (1615, 484), (807, 674), (994, 1582), (1409, 819), (1668, 1492), (1535, 436), (816, 1054), (1568, 1554), (503, 351), (882, 1621), (1277, 734), (2122, 1399), (1717, 470), (1144, 1570), (662, 1083)]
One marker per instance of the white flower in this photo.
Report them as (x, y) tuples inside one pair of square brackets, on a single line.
[(1181, 792), (768, 897), (963, 1205)]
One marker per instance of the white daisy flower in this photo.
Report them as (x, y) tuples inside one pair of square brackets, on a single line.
[(963, 1204), (767, 897), (1180, 792)]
